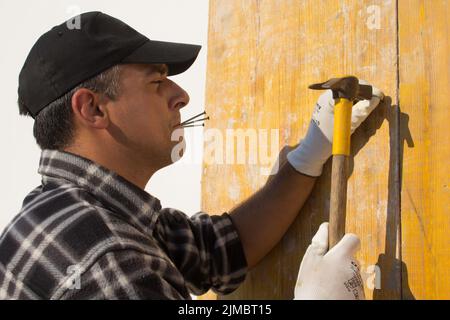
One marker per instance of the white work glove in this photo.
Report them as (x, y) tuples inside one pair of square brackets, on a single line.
[(315, 149), (332, 275)]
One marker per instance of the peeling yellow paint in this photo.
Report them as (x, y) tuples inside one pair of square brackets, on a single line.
[(263, 54), (424, 95)]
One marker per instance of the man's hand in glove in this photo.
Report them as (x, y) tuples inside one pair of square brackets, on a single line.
[(330, 275), (315, 149)]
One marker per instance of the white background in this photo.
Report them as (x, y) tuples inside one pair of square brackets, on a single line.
[(22, 22)]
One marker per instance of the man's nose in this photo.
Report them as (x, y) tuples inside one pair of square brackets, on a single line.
[(180, 97)]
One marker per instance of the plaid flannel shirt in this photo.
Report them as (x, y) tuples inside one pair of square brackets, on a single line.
[(87, 233)]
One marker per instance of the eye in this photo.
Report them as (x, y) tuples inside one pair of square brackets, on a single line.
[(158, 82)]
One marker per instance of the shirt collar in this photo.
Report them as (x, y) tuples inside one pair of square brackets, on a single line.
[(115, 192)]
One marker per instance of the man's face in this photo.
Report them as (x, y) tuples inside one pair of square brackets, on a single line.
[(146, 112)]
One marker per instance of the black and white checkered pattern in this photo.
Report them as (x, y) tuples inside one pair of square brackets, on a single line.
[(87, 233)]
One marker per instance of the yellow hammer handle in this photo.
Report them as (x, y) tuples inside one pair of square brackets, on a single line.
[(342, 126), (341, 151)]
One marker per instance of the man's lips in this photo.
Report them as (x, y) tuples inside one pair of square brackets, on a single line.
[(177, 123)]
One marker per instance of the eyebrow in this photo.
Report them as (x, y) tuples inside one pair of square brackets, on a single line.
[(162, 69)]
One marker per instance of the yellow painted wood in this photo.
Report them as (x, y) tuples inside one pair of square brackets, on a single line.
[(424, 99), (262, 55)]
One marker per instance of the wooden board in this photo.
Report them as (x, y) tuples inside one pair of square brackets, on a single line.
[(424, 101), (263, 54)]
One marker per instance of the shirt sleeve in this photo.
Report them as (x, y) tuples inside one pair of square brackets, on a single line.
[(205, 248), (127, 274)]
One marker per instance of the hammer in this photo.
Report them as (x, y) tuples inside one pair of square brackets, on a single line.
[(345, 91)]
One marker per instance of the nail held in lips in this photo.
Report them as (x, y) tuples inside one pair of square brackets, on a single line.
[(192, 122)]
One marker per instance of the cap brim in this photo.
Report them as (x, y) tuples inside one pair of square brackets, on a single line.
[(178, 56)]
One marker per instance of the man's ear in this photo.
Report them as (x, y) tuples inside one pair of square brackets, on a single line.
[(89, 109)]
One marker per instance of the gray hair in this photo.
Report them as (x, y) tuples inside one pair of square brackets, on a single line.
[(54, 126)]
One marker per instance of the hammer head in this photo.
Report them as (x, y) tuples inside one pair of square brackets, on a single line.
[(346, 87)]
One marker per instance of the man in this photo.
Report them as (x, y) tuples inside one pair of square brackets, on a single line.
[(104, 114)]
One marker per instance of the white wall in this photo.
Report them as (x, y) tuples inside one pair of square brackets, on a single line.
[(22, 22)]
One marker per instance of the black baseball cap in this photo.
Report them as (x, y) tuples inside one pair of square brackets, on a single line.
[(66, 56)]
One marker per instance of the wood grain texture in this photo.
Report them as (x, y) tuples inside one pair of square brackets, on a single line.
[(424, 101), (262, 55)]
